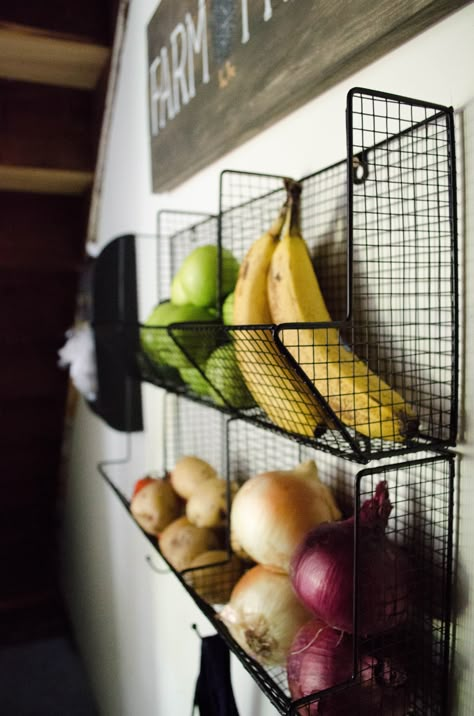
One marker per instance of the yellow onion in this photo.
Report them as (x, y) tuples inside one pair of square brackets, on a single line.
[(190, 472), (264, 615), (273, 511)]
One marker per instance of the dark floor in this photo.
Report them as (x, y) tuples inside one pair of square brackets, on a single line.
[(41, 672), (44, 678)]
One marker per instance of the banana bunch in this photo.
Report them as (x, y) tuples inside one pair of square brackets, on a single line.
[(279, 390), (358, 397)]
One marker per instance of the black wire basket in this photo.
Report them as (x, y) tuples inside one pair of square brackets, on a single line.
[(380, 228), (403, 670)]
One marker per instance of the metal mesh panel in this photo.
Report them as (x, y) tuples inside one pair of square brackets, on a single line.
[(404, 265), (381, 377), (381, 233), (408, 662)]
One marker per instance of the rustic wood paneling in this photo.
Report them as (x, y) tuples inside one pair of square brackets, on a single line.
[(29, 369), (55, 61), (47, 422), (49, 60), (293, 51), (45, 127), (25, 460), (60, 222), (90, 23), (48, 181), (36, 305)]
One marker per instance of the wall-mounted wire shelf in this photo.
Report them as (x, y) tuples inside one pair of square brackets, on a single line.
[(410, 663), (381, 230), (380, 227)]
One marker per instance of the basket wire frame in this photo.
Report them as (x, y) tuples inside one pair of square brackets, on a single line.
[(416, 653), (381, 231)]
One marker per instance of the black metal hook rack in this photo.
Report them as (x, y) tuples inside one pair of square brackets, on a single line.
[(381, 228)]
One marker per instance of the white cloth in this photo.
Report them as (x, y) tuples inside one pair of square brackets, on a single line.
[(78, 353)]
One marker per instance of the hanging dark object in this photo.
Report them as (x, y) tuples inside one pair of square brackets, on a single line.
[(214, 695), (114, 318)]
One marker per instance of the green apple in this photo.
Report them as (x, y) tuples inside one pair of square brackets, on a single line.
[(196, 279), (223, 372), (165, 349), (195, 380), (228, 310)]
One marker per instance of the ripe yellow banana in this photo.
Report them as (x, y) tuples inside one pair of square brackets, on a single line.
[(277, 389), (358, 396)]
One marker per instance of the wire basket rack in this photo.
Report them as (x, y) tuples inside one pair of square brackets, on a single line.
[(380, 227), (404, 670)]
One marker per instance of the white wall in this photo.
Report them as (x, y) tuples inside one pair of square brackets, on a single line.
[(133, 625)]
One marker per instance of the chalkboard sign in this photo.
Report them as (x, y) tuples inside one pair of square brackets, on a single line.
[(220, 71)]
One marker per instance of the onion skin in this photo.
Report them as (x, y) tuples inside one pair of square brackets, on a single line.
[(322, 570), (272, 512), (320, 658), (263, 615)]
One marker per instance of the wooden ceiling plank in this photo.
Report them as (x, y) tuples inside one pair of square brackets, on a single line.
[(35, 56), (44, 181), (42, 232)]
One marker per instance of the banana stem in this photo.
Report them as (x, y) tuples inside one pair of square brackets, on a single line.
[(292, 222), (277, 226)]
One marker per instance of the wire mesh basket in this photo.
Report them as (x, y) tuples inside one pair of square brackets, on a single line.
[(380, 377), (401, 670), (381, 231)]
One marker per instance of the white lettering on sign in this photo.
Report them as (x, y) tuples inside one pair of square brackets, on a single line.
[(197, 43), (267, 15), (172, 72), (179, 48), (171, 86)]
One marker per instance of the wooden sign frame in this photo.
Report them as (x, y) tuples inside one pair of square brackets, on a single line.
[(221, 71)]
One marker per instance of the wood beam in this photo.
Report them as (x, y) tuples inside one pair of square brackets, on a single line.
[(32, 55)]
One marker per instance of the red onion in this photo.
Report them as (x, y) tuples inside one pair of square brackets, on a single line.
[(321, 658), (322, 571)]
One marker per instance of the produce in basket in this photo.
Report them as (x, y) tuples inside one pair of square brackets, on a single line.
[(184, 347), (189, 473), (322, 658), (197, 277), (181, 542), (223, 372), (213, 575), (275, 386), (358, 396), (208, 504), (322, 571), (264, 614), (228, 310), (155, 504), (273, 511), (195, 380)]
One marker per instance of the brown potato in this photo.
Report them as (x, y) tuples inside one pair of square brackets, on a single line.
[(188, 473), (207, 506), (182, 541), (155, 505)]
